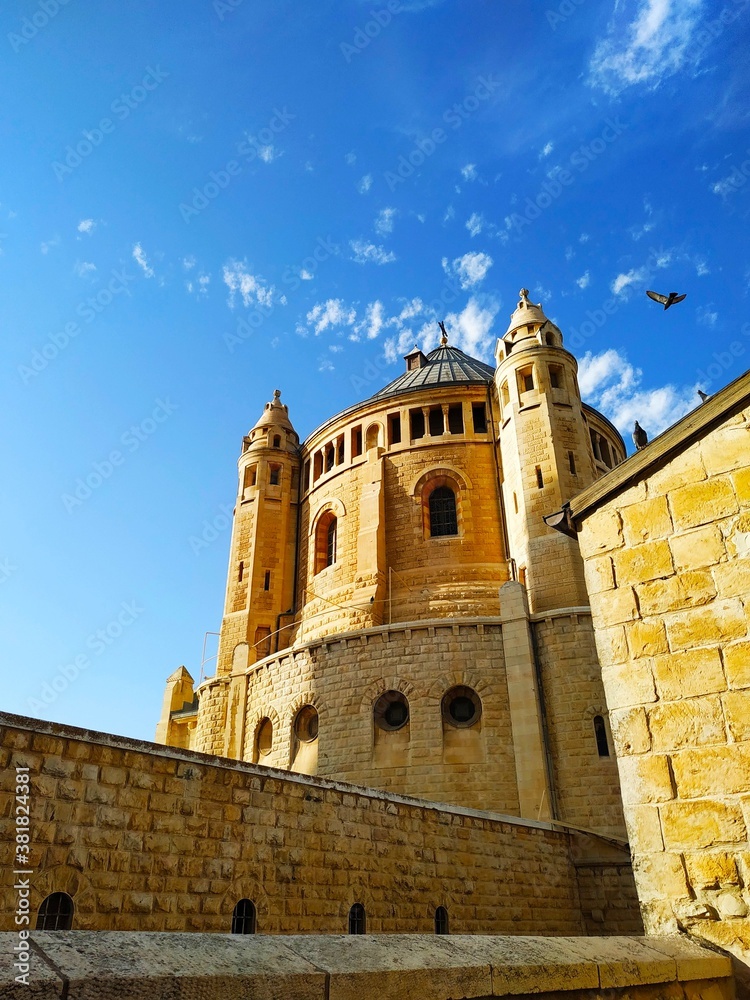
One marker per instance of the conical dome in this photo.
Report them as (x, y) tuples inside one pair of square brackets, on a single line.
[(275, 414), (526, 315)]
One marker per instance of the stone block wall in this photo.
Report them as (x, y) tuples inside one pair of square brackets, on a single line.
[(667, 556), (148, 838)]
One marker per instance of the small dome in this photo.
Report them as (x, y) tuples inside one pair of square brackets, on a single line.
[(275, 414), (443, 366)]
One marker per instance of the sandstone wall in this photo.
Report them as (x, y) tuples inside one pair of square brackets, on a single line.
[(668, 570), (145, 838)]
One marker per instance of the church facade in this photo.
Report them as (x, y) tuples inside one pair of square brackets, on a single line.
[(398, 614)]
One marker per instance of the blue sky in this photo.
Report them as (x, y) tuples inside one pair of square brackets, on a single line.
[(201, 202)]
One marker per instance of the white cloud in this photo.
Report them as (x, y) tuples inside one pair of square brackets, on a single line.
[(474, 224), (48, 245), (251, 287), (726, 186), (469, 172), (140, 258), (305, 275), (372, 323), (84, 267), (469, 269), (86, 226), (449, 214), (326, 365), (368, 253), (268, 153), (584, 281), (610, 383), (331, 313), (707, 316), (350, 159), (188, 262), (635, 276), (645, 45), (701, 267), (384, 221), (546, 150), (365, 183), (470, 330), (584, 238)]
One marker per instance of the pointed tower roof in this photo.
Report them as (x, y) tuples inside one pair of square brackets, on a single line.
[(275, 414), (526, 314)]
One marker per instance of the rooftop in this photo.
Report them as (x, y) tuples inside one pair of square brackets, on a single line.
[(443, 366)]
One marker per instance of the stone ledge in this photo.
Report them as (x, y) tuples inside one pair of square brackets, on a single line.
[(86, 965)]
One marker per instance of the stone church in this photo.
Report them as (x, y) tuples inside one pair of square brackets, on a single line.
[(398, 614)]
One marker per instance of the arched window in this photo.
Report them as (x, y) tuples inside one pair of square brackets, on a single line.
[(244, 917), (443, 518), (600, 731), (326, 541), (357, 919), (55, 913), (306, 724), (441, 920)]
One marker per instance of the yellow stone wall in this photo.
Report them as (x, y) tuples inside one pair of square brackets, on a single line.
[(148, 838), (667, 563)]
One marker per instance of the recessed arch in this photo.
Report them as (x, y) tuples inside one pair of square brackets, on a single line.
[(55, 913)]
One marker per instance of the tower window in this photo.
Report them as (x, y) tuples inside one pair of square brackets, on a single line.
[(416, 418), (515, 503), (275, 477), (331, 544), (356, 441), (240, 572), (443, 518), (606, 454), (55, 913), (539, 477), (340, 450), (504, 394), (357, 919), (479, 417), (307, 475), (277, 441), (556, 376), (317, 465), (262, 641), (391, 711), (267, 580), (437, 423), (441, 920), (244, 917), (456, 418), (372, 437), (394, 428), (526, 379), (600, 731), (330, 457), (572, 463), (251, 476)]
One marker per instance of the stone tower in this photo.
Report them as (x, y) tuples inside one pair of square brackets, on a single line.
[(545, 452), (260, 579)]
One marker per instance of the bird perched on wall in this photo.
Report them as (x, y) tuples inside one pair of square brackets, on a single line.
[(640, 437), (703, 395), (666, 300)]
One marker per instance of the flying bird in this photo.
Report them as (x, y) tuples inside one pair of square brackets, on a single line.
[(640, 437), (703, 395), (666, 300)]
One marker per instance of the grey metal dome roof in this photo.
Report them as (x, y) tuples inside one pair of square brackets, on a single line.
[(444, 366)]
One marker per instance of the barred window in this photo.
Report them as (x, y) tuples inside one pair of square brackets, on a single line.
[(244, 917), (55, 913), (357, 919), (331, 543), (441, 920), (443, 519)]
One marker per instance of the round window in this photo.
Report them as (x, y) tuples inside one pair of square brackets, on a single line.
[(265, 737), (462, 707), (306, 724), (391, 711)]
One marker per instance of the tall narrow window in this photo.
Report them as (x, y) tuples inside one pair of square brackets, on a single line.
[(443, 519), (357, 919), (526, 379), (267, 580), (479, 417), (262, 641), (394, 428), (331, 543), (356, 441), (441, 920), (416, 418), (330, 457), (556, 376), (600, 731), (277, 441), (317, 465), (456, 418), (55, 913), (437, 423), (340, 450), (539, 477), (572, 463), (244, 917), (240, 572), (275, 477), (306, 478)]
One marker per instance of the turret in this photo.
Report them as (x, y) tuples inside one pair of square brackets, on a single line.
[(545, 451)]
